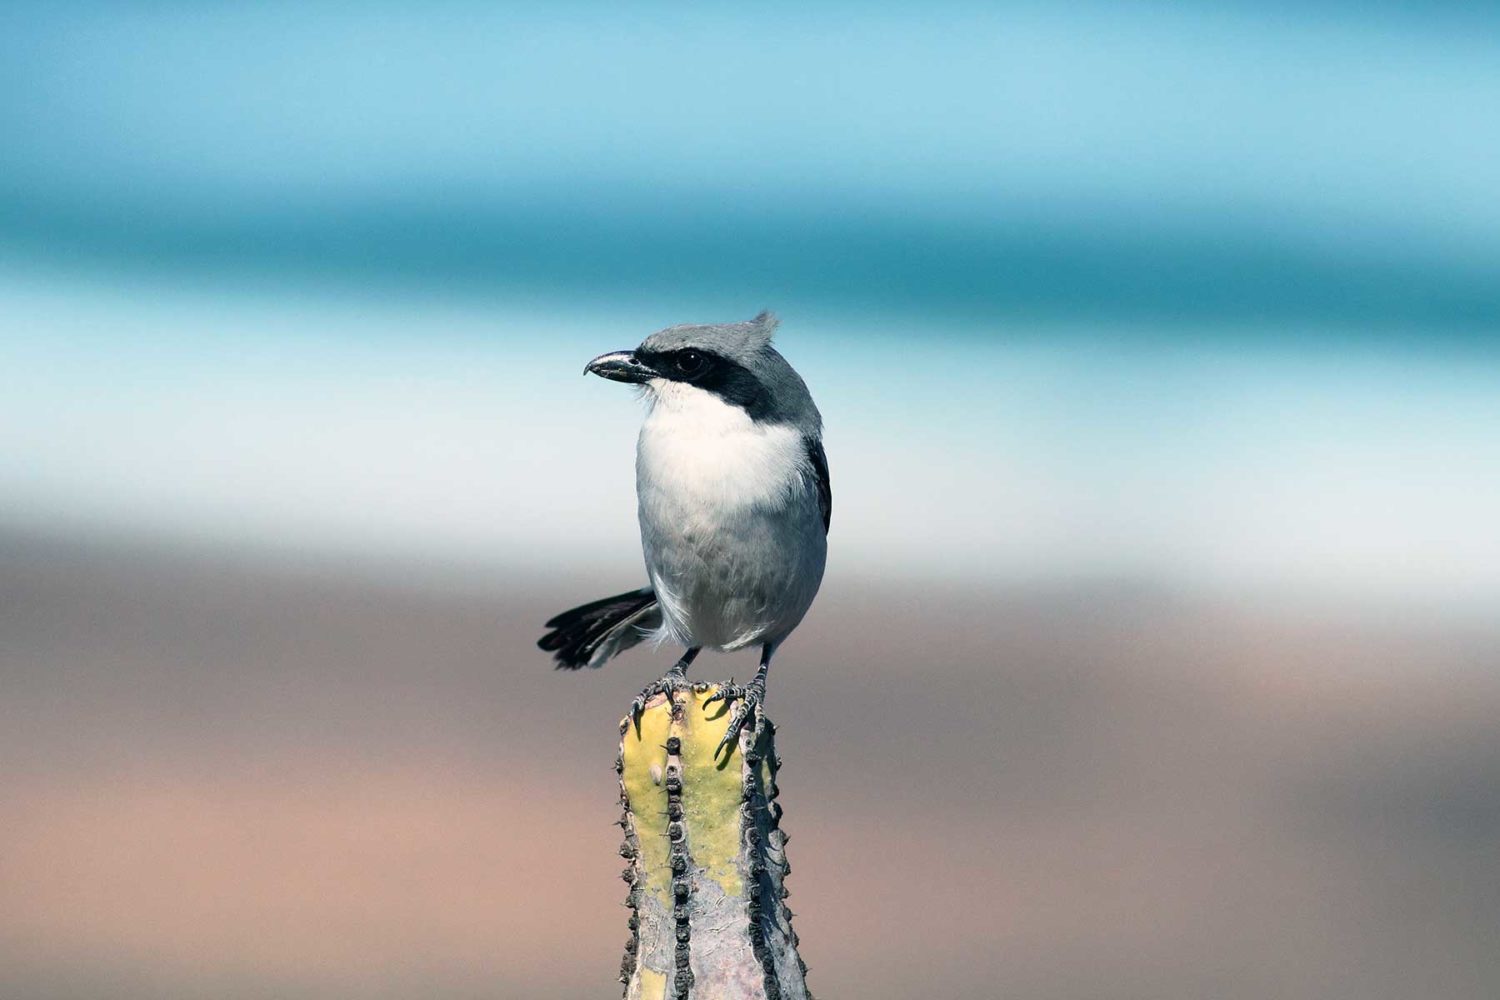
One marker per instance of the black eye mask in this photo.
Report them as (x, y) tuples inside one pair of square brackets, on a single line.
[(727, 379)]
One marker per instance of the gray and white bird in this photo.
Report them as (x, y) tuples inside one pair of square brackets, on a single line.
[(734, 506)]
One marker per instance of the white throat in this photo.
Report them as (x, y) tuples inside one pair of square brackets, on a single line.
[(697, 451)]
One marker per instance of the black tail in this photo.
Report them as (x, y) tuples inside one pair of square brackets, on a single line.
[(591, 633)]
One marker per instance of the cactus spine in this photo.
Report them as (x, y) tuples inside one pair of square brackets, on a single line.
[(707, 859)]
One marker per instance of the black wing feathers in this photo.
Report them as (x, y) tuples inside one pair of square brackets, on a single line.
[(577, 633), (819, 461)]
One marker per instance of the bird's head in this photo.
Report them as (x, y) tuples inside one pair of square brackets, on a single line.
[(733, 362)]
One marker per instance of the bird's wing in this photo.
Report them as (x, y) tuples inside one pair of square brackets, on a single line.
[(592, 633), (819, 462)]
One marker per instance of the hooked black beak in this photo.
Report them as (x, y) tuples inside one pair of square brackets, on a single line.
[(621, 366)]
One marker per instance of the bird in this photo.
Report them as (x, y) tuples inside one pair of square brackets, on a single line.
[(734, 503)]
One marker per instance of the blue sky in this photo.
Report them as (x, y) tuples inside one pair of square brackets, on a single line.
[(1203, 294)]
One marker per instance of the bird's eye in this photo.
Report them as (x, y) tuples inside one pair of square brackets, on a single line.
[(690, 363)]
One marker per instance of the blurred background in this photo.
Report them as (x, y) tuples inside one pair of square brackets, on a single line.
[(1157, 346)]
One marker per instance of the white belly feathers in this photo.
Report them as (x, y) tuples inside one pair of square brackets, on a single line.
[(730, 525)]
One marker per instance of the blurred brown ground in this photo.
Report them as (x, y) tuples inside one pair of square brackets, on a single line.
[(238, 781)]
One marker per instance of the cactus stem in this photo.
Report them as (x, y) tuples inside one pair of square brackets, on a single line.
[(707, 917)]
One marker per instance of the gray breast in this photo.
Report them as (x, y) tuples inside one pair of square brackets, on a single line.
[(733, 580)]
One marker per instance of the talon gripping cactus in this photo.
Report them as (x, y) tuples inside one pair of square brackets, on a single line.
[(707, 859)]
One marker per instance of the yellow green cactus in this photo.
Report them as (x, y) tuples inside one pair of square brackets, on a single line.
[(707, 858)]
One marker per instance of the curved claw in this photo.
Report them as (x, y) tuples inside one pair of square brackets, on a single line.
[(668, 684), (731, 738), (727, 693), (749, 699), (637, 710)]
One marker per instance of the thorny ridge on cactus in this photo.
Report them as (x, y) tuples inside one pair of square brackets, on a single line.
[(707, 857)]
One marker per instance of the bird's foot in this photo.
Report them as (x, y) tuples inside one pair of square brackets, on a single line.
[(746, 699), (669, 684)]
